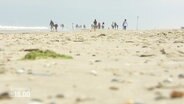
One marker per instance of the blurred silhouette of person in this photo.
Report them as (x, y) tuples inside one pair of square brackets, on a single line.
[(112, 25), (80, 26), (125, 24), (62, 26), (51, 25), (84, 26), (95, 24), (99, 25), (56, 27), (76, 26), (103, 25), (115, 25)]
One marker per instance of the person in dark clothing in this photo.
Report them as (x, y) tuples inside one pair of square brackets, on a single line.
[(99, 25), (112, 25), (76, 26), (95, 24), (51, 25), (103, 25), (62, 26), (84, 26), (56, 26), (115, 25)]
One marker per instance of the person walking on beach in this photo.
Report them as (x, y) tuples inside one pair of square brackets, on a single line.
[(99, 25), (95, 24), (62, 26), (125, 24), (51, 25), (103, 25), (112, 25), (84, 26), (115, 25), (80, 26), (56, 26), (76, 26)]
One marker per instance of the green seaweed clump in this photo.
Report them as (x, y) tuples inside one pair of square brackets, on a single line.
[(40, 54)]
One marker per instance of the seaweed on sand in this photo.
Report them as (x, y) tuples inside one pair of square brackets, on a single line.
[(40, 54)]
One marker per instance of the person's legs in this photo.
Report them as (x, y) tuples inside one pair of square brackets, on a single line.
[(124, 27), (51, 28), (56, 26)]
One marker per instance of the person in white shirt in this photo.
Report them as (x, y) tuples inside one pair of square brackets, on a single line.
[(125, 24)]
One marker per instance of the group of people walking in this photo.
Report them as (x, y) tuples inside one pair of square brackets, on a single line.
[(114, 25), (95, 25), (54, 27), (77, 26)]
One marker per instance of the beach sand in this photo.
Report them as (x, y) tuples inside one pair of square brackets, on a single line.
[(108, 67)]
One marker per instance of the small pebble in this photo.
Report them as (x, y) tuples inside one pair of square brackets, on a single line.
[(160, 97), (82, 99), (168, 80), (114, 80), (101, 35), (181, 76), (93, 55), (36, 101), (60, 96), (93, 72), (97, 60), (5, 96), (176, 94), (78, 100), (163, 51), (113, 88), (142, 73), (159, 85), (77, 54), (20, 71), (29, 71)]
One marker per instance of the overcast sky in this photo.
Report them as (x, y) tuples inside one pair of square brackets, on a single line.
[(152, 13)]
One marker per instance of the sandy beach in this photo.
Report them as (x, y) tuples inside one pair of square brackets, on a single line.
[(108, 67)]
